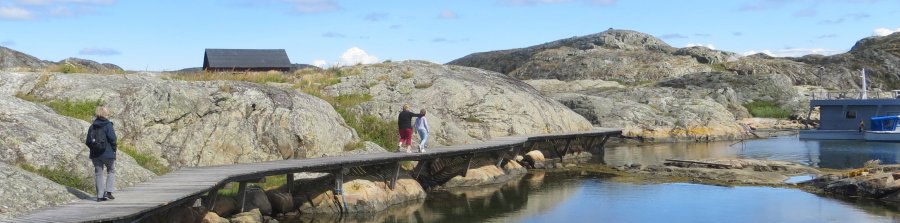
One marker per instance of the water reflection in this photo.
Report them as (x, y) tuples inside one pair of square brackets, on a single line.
[(825, 153), (573, 197)]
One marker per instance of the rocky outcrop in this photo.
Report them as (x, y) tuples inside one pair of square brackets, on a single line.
[(464, 104), (876, 182), (725, 171), (657, 114), (15, 60), (613, 55), (36, 136), (22, 191), (706, 55), (199, 123)]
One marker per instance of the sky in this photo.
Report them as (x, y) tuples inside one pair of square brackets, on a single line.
[(163, 35)]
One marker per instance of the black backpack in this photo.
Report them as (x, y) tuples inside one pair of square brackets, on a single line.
[(96, 140)]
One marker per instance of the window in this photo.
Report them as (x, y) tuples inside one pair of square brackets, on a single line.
[(851, 114)]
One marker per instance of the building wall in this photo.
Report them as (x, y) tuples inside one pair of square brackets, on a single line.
[(835, 117)]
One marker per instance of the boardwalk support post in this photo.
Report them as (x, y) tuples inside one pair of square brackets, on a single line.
[(290, 183), (566, 150), (422, 165), (590, 144), (339, 188), (242, 195), (468, 164), (603, 143), (396, 175), (211, 197)]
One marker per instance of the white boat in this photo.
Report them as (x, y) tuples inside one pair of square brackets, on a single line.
[(883, 128)]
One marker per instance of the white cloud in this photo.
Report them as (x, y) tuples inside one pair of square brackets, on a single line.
[(885, 31), (447, 14), (794, 52), (355, 55), (34, 9), (313, 6), (709, 45), (15, 13), (320, 63)]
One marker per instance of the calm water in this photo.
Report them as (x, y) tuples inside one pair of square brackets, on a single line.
[(572, 197), (826, 153)]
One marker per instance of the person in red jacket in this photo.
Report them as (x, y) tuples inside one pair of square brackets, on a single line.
[(404, 124)]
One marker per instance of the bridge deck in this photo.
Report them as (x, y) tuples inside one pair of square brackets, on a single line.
[(187, 184)]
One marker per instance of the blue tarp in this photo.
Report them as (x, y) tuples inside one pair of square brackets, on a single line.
[(884, 123)]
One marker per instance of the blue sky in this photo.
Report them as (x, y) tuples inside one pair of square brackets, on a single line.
[(170, 35)]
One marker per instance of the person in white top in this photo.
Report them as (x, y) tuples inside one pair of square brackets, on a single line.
[(422, 129)]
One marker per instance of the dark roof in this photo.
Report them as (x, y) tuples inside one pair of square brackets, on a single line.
[(246, 58)]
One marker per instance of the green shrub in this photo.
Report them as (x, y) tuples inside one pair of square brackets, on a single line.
[(719, 67), (67, 68), (144, 160), (767, 109), (369, 127), (472, 119), (62, 176)]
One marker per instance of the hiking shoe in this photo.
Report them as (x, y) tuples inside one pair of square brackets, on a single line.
[(109, 196), (99, 199)]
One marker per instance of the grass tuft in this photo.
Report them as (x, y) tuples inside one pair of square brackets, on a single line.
[(255, 77), (83, 110), (767, 109), (144, 160), (62, 177)]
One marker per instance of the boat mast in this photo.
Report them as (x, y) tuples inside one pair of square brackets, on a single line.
[(864, 91)]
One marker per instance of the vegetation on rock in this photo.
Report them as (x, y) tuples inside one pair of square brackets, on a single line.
[(767, 109), (83, 110), (62, 177)]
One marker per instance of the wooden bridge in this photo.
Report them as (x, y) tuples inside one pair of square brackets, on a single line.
[(188, 184)]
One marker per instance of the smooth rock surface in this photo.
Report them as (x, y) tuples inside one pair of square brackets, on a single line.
[(464, 105)]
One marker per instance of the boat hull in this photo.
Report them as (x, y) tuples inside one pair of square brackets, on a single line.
[(883, 136), (832, 134)]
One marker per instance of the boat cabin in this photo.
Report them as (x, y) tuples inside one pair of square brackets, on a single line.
[(884, 123)]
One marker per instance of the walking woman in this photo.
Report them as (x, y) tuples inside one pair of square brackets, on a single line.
[(422, 129), (101, 139), (404, 123)]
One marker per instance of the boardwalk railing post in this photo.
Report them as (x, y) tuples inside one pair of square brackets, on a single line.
[(290, 183), (396, 175), (242, 195)]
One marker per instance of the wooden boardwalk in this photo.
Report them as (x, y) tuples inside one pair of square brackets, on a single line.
[(188, 184)]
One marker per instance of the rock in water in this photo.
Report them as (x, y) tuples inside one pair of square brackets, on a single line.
[(464, 105)]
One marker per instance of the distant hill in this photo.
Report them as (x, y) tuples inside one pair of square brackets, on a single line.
[(631, 57), (14, 60)]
